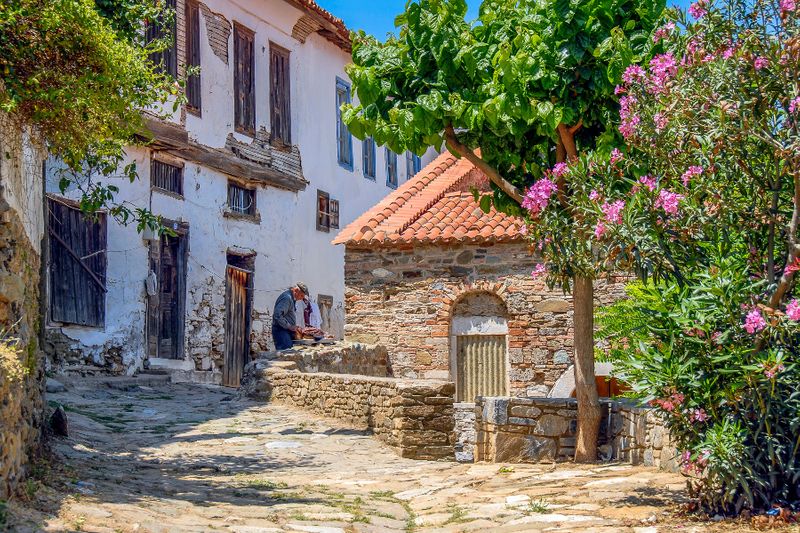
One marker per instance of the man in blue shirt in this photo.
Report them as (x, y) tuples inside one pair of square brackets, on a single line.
[(284, 322)]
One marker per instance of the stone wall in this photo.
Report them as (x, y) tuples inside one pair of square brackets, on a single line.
[(414, 417), (21, 361), (339, 358), (532, 430), (405, 297)]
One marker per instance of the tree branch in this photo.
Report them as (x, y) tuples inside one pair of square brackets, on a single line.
[(567, 136), (491, 172), (787, 277)]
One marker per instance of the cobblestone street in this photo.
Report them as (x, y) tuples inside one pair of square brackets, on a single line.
[(174, 458)]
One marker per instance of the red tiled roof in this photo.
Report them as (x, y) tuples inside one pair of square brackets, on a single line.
[(333, 28), (435, 206)]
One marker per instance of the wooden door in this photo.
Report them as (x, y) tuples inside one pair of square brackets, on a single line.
[(166, 309), (238, 284), (481, 366)]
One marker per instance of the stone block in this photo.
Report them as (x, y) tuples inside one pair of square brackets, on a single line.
[(554, 305), (512, 448), (524, 411), (495, 411), (552, 425)]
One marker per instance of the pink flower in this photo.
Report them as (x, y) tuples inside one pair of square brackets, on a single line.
[(668, 201), (633, 74), (544, 242), (599, 230), (716, 336), (616, 156), (523, 230), (662, 69), (663, 32), (788, 6), (793, 310), (539, 270), (660, 121), (728, 52), (619, 89), (649, 182), (754, 321), (772, 371), (538, 195), (613, 211), (698, 9), (794, 105), (689, 174), (594, 195), (628, 127), (760, 62), (698, 415), (559, 170)]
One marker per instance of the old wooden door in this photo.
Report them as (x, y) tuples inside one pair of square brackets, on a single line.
[(238, 285), (481, 366), (166, 309)]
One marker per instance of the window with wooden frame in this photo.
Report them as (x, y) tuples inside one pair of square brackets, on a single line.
[(165, 60), (241, 200), (244, 105), (279, 95), (368, 155), (166, 177), (391, 169), (327, 212), (413, 164), (193, 89), (77, 265), (344, 141)]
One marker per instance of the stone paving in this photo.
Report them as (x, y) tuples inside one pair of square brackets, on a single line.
[(188, 458)]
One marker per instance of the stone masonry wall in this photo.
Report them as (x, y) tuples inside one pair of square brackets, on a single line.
[(415, 417), (404, 297), (532, 430), (339, 358), (21, 361)]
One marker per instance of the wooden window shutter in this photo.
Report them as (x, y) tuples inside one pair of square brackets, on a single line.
[(323, 211), (166, 60), (280, 94), (193, 88), (243, 80), (344, 147), (334, 214), (77, 265)]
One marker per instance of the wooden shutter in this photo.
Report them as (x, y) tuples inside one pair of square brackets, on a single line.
[(344, 141), (391, 169), (368, 149), (481, 366), (77, 269), (193, 90), (243, 80), (334, 213), (279, 95), (323, 211), (166, 177), (166, 60)]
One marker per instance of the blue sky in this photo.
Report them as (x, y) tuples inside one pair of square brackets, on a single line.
[(377, 16)]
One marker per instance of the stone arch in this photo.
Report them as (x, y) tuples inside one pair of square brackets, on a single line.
[(565, 385), (478, 327)]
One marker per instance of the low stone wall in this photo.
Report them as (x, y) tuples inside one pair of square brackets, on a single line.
[(340, 358), (532, 430), (415, 417)]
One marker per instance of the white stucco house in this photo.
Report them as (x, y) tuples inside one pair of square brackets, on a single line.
[(255, 175)]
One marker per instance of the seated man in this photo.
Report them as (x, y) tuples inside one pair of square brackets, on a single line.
[(284, 321)]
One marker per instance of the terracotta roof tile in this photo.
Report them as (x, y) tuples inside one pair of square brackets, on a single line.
[(433, 207)]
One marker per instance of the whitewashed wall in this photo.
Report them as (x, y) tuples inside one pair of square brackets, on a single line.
[(288, 246)]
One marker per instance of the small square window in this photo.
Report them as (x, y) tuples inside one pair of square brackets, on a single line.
[(166, 176), (241, 200), (327, 212)]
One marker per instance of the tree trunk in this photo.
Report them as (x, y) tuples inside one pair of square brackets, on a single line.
[(589, 413)]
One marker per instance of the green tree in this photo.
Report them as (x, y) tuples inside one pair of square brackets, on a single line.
[(527, 86)]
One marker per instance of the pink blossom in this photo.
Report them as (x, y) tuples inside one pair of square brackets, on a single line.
[(716, 336), (728, 52), (772, 371), (538, 195), (613, 211), (559, 169), (788, 6), (599, 230), (698, 9), (693, 171), (539, 270), (793, 310), (760, 62), (794, 266), (628, 127), (663, 32), (660, 120), (544, 242), (616, 156), (754, 322), (649, 182), (523, 230), (633, 74), (619, 89), (794, 105), (668, 201), (662, 69), (698, 415), (594, 195)]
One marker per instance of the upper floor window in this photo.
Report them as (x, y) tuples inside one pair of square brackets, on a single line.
[(77, 265), (244, 105), (279, 91), (166, 60), (241, 200), (193, 100), (368, 150), (344, 141), (166, 176), (327, 212), (391, 169), (413, 164)]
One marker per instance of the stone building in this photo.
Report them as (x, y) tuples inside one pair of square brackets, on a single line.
[(254, 174), (450, 290)]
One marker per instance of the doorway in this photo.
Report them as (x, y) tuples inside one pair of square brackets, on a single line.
[(166, 304), (238, 310)]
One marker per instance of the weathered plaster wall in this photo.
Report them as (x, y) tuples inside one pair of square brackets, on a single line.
[(288, 246), (405, 298), (21, 364)]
